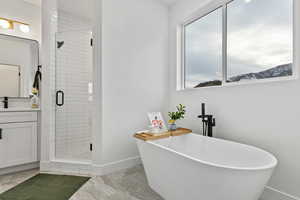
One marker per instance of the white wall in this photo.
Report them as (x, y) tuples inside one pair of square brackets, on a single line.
[(48, 48), (24, 12), (134, 71), (264, 115)]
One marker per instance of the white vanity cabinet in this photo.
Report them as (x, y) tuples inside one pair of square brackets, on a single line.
[(18, 138)]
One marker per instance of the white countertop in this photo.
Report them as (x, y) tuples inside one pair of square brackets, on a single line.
[(16, 109)]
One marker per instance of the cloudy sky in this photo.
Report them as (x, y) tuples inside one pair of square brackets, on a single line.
[(259, 37)]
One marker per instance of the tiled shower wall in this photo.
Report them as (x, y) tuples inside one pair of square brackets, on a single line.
[(69, 22), (73, 76)]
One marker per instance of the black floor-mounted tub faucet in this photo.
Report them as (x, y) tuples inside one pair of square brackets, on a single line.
[(208, 122)]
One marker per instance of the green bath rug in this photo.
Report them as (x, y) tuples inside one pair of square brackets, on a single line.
[(45, 187)]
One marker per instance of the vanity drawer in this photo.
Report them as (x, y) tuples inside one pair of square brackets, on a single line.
[(15, 117)]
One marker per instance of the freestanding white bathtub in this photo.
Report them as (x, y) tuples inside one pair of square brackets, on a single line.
[(193, 167)]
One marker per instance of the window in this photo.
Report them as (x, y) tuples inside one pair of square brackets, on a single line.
[(255, 42), (203, 51)]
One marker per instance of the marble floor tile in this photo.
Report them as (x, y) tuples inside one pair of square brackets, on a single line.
[(11, 180), (129, 184)]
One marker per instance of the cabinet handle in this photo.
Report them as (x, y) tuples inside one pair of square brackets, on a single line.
[(0, 133), (60, 94)]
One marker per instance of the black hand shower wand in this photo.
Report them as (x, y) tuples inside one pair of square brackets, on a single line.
[(203, 119)]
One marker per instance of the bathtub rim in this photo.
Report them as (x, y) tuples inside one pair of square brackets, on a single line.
[(272, 165)]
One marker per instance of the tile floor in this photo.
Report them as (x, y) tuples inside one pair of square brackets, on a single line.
[(130, 184)]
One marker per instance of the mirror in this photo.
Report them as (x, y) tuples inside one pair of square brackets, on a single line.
[(19, 59), (10, 78)]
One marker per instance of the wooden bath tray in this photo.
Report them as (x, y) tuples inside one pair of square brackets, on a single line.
[(149, 136)]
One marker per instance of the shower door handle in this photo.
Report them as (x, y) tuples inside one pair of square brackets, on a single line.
[(60, 98)]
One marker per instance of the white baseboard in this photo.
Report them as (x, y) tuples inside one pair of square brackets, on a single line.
[(116, 166), (66, 167), (19, 168), (274, 194)]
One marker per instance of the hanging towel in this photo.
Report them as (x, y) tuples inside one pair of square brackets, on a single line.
[(37, 78)]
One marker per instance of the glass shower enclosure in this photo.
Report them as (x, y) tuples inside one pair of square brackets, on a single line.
[(74, 96)]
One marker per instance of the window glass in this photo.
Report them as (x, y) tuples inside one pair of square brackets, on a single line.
[(259, 39), (203, 51)]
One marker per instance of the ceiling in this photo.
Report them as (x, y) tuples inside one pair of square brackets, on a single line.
[(169, 2), (78, 7), (35, 2), (38, 2), (81, 7)]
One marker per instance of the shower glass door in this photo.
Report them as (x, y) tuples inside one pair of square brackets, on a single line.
[(74, 95)]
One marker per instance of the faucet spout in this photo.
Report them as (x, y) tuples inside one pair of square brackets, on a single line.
[(5, 102)]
